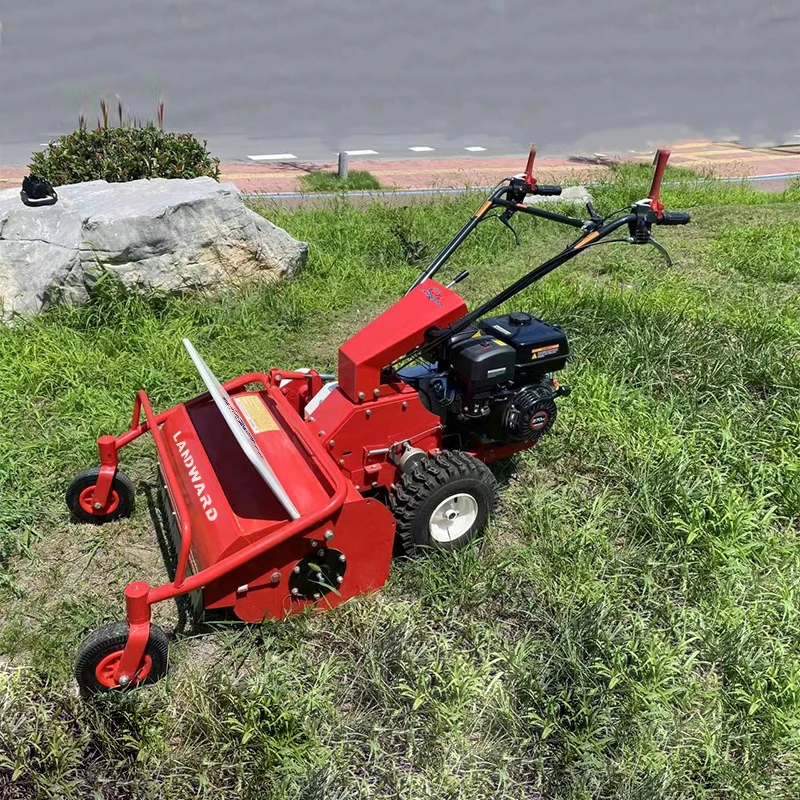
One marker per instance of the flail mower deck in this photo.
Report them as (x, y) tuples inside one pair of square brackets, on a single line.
[(286, 489)]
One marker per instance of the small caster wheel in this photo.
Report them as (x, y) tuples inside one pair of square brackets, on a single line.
[(99, 656), (80, 497), (443, 502)]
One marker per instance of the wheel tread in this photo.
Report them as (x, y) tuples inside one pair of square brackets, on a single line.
[(106, 640), (426, 477), (122, 484)]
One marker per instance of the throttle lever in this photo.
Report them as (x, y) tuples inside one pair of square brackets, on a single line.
[(504, 218), (593, 215), (660, 247)]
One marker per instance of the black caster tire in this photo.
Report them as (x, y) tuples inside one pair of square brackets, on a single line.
[(80, 495), (443, 502), (99, 655)]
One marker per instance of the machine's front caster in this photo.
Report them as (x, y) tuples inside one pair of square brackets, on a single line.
[(99, 657), (80, 497), (443, 502)]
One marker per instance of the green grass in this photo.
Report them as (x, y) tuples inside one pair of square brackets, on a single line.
[(629, 627), (357, 180)]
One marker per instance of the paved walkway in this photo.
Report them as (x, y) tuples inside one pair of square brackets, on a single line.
[(723, 159)]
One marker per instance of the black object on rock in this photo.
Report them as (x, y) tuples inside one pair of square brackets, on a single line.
[(37, 192)]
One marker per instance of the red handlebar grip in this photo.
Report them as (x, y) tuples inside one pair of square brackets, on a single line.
[(662, 156)]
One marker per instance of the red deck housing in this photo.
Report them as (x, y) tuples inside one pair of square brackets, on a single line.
[(237, 544)]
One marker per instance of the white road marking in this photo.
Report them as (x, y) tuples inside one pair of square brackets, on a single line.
[(421, 149), (274, 157), (361, 152), (475, 149)]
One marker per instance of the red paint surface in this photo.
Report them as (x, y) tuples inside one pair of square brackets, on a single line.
[(391, 335)]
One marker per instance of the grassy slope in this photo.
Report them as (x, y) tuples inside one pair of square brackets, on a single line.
[(629, 628)]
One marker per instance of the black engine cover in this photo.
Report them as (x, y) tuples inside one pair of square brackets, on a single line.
[(528, 415), (540, 346), (482, 361)]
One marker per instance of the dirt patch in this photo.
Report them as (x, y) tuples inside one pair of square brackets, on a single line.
[(82, 571)]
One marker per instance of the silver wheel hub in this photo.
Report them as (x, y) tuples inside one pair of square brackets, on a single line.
[(453, 518)]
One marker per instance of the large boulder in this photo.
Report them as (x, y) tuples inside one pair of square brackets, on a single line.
[(171, 235)]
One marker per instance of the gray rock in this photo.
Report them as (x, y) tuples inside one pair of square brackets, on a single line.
[(171, 235), (579, 195)]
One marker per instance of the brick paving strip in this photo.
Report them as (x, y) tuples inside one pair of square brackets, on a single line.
[(727, 160)]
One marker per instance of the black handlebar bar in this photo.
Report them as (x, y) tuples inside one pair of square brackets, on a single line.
[(511, 196)]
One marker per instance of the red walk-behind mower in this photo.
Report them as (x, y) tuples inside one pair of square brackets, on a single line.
[(287, 489)]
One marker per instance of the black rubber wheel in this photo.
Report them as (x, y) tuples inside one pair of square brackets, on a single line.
[(79, 497), (99, 654), (443, 502)]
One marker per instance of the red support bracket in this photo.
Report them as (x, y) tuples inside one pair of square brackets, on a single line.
[(138, 615), (107, 446)]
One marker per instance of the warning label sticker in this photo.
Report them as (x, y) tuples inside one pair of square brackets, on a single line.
[(544, 352), (256, 413)]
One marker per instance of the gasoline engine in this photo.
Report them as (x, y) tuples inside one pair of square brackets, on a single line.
[(493, 383)]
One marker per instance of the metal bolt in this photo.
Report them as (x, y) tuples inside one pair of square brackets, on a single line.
[(314, 544), (295, 591), (339, 579), (242, 589), (296, 570), (369, 413), (124, 680), (376, 392), (361, 395), (328, 535), (311, 419), (342, 558), (278, 378), (317, 595), (320, 576), (374, 484), (275, 577), (358, 488), (341, 462), (320, 433), (404, 406), (331, 444), (321, 553), (98, 506)]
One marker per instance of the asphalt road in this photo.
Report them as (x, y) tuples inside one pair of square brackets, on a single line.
[(310, 77)]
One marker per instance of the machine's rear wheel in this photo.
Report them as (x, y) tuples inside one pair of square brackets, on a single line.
[(99, 655), (80, 497), (443, 502)]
